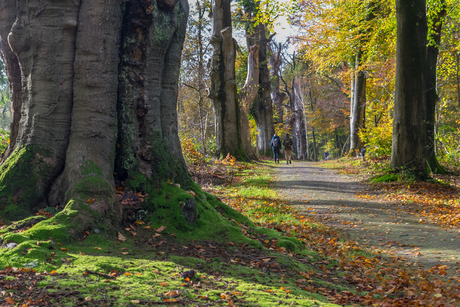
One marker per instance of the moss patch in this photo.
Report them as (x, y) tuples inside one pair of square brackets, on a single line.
[(24, 180)]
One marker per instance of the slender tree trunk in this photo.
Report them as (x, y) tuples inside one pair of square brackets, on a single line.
[(307, 143), (409, 124), (359, 106), (315, 153), (223, 90), (458, 79), (431, 94), (352, 104), (201, 76)]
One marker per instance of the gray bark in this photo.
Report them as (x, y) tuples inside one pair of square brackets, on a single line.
[(46, 73), (86, 66), (409, 124), (358, 108), (247, 95), (13, 71), (223, 90), (301, 134), (262, 109), (277, 96), (432, 91)]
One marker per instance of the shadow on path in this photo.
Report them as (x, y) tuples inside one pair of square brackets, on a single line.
[(396, 228)]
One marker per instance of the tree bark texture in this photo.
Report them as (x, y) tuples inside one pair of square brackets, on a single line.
[(99, 89), (277, 97), (261, 108), (352, 104), (409, 124), (431, 92), (358, 107), (223, 91), (247, 95), (8, 16), (299, 111)]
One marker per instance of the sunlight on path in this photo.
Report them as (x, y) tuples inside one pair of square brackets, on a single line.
[(391, 227)]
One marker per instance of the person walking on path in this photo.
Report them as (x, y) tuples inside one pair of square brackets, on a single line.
[(276, 146), (326, 155), (287, 143)]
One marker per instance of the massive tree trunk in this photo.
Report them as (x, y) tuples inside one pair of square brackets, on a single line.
[(8, 16), (358, 107), (261, 108), (247, 95), (99, 91), (431, 90), (409, 124), (223, 90)]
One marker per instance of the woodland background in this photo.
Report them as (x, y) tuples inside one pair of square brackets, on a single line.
[(331, 42)]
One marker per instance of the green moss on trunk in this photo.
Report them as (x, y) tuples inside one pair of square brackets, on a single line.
[(24, 180)]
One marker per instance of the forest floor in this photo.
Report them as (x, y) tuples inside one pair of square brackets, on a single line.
[(323, 236), (392, 218)]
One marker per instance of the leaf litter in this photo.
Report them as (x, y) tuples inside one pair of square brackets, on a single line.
[(332, 263)]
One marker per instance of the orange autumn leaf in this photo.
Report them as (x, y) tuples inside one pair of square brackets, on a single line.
[(128, 274), (10, 301), (163, 284), (89, 201)]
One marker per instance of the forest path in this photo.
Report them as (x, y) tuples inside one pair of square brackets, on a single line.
[(332, 199)]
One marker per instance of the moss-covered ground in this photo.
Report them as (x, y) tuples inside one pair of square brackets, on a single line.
[(225, 258)]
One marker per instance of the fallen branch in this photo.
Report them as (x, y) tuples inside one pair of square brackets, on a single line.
[(100, 274)]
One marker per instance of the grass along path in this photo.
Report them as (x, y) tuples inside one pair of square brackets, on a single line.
[(378, 279)]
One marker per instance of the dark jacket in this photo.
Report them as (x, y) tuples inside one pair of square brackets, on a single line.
[(287, 143), (272, 142)]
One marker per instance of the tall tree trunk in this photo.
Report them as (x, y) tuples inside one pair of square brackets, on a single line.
[(87, 66), (352, 104), (299, 121), (359, 106), (46, 71), (409, 124), (201, 76), (277, 97), (315, 153), (458, 78), (431, 91), (223, 90), (247, 95), (261, 108)]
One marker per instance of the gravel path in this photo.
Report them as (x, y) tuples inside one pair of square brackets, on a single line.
[(332, 199)]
